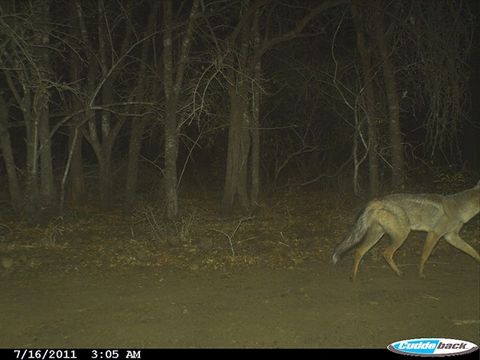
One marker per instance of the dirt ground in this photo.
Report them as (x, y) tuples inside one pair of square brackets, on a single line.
[(265, 281), (313, 305)]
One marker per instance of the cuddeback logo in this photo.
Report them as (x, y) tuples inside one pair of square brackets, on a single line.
[(432, 347)]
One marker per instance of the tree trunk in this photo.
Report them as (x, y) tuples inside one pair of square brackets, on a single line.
[(77, 178), (41, 104), (398, 175), (105, 165), (241, 125), (47, 188), (369, 98), (6, 148), (105, 178), (170, 127), (76, 174), (135, 145), (255, 126), (138, 125), (238, 150), (255, 151), (32, 208), (171, 149), (173, 82)]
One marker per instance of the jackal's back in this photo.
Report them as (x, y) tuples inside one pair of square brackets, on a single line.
[(422, 211)]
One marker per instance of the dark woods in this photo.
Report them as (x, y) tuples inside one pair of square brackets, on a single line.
[(112, 100)]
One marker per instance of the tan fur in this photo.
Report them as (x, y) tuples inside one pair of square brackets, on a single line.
[(398, 214)]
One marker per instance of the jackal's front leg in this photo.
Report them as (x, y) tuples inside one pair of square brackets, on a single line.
[(455, 240), (430, 243)]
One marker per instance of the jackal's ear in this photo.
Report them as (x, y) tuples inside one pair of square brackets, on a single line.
[(478, 184)]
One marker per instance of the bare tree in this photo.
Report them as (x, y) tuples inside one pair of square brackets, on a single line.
[(99, 94), (371, 113), (243, 50), (75, 106), (7, 154), (437, 40), (139, 94), (173, 80), (384, 43), (27, 71)]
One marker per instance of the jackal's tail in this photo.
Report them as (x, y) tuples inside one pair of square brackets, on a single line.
[(356, 234)]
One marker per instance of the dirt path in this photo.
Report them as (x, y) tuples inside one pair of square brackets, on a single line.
[(313, 305)]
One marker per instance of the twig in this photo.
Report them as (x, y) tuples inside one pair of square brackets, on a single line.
[(230, 237)]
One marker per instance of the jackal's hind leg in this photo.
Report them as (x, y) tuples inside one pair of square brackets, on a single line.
[(374, 233), (430, 243), (398, 230)]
